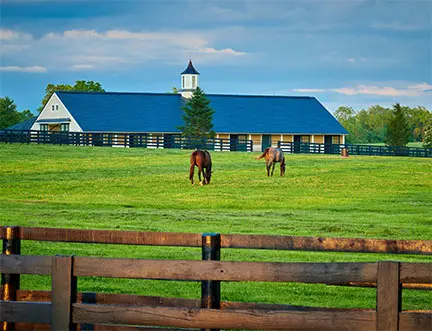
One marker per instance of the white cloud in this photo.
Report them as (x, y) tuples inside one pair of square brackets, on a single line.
[(82, 67), (409, 90), (11, 35), (398, 26), (309, 90), (92, 49), (33, 69), (227, 51)]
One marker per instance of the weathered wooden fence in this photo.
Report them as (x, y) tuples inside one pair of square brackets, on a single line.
[(123, 140), (64, 308)]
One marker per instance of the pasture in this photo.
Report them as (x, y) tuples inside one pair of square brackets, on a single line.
[(149, 190)]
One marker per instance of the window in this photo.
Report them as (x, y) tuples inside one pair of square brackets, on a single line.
[(183, 82), (305, 139), (56, 107), (193, 81), (44, 127), (335, 140), (52, 107), (64, 127)]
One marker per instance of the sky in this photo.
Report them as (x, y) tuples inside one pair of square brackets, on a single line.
[(355, 53)]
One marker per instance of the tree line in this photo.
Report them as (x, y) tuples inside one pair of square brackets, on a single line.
[(372, 125)]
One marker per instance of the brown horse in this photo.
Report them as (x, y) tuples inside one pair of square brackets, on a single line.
[(273, 155), (202, 160)]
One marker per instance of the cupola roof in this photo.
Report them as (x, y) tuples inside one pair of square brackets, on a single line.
[(190, 70)]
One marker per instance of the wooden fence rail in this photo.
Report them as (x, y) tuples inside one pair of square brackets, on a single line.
[(423, 247), (64, 312), (64, 308)]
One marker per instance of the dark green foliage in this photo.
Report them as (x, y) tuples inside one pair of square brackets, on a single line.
[(427, 142), (9, 115), (80, 85), (398, 130), (369, 125), (197, 116)]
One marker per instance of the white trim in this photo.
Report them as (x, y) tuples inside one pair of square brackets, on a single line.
[(48, 113)]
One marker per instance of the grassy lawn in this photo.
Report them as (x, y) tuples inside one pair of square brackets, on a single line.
[(148, 190)]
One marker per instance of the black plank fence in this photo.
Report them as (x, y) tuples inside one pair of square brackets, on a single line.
[(111, 139), (64, 308), (371, 150), (145, 140)]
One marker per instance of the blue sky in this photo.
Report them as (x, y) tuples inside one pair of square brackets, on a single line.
[(344, 52)]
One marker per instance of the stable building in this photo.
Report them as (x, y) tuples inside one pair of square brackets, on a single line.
[(264, 120)]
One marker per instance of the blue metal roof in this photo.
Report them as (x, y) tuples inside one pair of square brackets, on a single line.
[(272, 114), (124, 112), (190, 69), (161, 112), (26, 125)]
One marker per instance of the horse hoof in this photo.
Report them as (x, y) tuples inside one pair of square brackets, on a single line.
[(201, 184)]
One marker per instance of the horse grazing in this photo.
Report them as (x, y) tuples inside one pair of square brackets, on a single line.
[(202, 160), (273, 155)]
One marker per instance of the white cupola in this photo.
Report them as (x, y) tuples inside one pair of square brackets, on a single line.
[(189, 81)]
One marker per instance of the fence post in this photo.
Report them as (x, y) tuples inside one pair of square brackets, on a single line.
[(64, 293), (388, 296), (210, 289), (10, 282), (90, 298)]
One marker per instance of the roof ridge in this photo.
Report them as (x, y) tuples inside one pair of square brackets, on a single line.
[(207, 94), (262, 95), (113, 92)]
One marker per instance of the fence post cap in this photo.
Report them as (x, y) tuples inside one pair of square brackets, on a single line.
[(211, 234)]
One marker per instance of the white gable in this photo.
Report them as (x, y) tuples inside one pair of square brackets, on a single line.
[(55, 112)]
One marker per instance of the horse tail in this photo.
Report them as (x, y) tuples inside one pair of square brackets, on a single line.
[(192, 166), (263, 154)]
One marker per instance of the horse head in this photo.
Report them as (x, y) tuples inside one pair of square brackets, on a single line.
[(208, 174)]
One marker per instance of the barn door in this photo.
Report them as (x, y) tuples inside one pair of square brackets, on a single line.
[(327, 144), (233, 142), (297, 140), (266, 141)]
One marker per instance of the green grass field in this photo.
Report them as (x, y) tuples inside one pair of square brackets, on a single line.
[(148, 190)]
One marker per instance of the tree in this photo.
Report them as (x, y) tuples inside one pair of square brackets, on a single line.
[(198, 116), (427, 140), (9, 114), (417, 119), (398, 130), (80, 85), (26, 115)]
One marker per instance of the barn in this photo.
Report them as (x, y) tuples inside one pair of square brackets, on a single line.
[(262, 119)]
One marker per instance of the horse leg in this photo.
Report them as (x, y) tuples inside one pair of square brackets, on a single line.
[(200, 170), (268, 168), (273, 166), (191, 173), (205, 175)]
